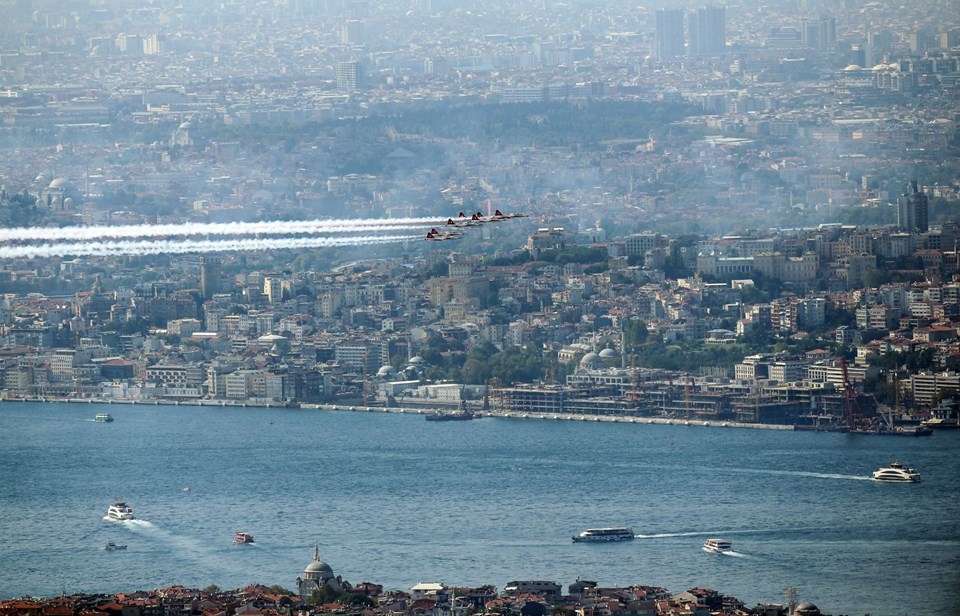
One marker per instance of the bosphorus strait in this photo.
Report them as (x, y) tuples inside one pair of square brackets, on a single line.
[(397, 500)]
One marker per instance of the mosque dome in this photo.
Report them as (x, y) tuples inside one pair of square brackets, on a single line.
[(807, 609), (386, 371), (853, 67), (608, 353), (591, 361), (59, 183), (317, 569), (416, 359)]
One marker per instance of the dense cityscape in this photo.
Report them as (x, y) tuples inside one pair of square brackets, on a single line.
[(320, 592), (744, 215)]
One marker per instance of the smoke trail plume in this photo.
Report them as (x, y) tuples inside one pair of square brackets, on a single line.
[(152, 246), (276, 227)]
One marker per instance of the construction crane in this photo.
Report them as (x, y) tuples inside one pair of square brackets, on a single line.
[(851, 410)]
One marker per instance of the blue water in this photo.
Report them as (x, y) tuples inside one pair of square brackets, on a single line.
[(397, 500)]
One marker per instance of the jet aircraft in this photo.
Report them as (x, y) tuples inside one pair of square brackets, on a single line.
[(464, 221), (497, 215), (435, 235)]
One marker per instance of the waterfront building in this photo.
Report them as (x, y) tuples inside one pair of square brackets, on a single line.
[(926, 388)]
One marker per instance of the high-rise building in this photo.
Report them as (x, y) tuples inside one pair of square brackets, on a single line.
[(820, 34), (912, 210), (669, 34), (353, 33), (707, 31), (209, 276), (349, 76)]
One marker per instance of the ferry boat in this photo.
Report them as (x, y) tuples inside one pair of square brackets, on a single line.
[(119, 511), (242, 538), (938, 423), (896, 472), (103, 417), (604, 534), (717, 546), (114, 546)]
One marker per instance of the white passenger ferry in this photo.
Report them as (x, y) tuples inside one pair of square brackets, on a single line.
[(119, 511), (897, 472), (717, 546), (604, 534)]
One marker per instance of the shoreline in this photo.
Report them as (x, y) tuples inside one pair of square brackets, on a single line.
[(359, 408)]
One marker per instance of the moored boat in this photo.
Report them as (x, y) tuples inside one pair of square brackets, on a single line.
[(604, 534), (897, 472), (939, 423), (717, 546), (450, 416)]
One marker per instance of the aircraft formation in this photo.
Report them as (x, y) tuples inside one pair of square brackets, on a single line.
[(194, 237), (463, 221)]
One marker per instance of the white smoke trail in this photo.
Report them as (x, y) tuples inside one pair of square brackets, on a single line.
[(153, 247), (274, 227)]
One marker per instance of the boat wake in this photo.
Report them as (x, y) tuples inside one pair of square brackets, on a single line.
[(131, 523), (187, 546), (669, 535), (840, 476), (714, 533)]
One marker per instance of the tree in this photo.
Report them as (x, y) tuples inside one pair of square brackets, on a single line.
[(280, 590), (326, 594), (634, 333)]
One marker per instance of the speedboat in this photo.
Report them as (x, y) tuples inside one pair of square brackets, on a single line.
[(114, 546), (604, 534), (896, 472), (717, 546), (103, 417), (242, 538), (119, 511)]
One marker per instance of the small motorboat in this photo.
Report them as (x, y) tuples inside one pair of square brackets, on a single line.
[(114, 546), (242, 538)]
